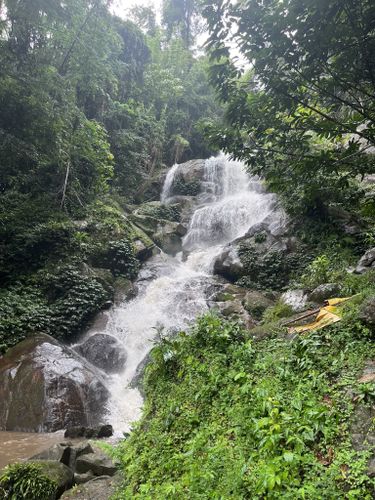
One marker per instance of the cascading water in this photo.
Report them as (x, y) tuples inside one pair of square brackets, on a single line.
[(173, 291)]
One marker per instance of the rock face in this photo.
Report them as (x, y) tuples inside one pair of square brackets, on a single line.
[(103, 351), (367, 312), (98, 463), (101, 431), (296, 299), (228, 264), (45, 386), (366, 262), (324, 291), (264, 256), (188, 178)]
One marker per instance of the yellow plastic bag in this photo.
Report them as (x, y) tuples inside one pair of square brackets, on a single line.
[(327, 315)]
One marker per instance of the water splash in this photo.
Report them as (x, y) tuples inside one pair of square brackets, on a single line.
[(173, 291)]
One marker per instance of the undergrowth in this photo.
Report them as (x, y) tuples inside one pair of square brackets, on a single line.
[(226, 417)]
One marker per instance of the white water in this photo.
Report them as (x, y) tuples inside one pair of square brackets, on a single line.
[(172, 292)]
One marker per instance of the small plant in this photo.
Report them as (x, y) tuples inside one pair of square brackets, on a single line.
[(317, 272), (365, 393), (276, 312), (25, 481)]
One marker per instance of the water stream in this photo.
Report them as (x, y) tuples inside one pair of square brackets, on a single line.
[(173, 291)]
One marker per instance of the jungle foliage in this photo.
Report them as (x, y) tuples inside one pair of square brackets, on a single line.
[(301, 111), (92, 108), (227, 417)]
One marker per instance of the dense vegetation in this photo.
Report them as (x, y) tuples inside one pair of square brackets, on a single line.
[(303, 115), (92, 109)]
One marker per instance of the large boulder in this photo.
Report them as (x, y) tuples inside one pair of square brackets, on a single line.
[(98, 488), (188, 178), (46, 386), (65, 452), (98, 463), (228, 264), (324, 291), (103, 351), (262, 258), (366, 262), (296, 299), (169, 237), (58, 472)]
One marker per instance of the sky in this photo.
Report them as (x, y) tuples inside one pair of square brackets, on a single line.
[(120, 6)]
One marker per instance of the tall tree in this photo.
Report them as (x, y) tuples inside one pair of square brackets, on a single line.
[(306, 115)]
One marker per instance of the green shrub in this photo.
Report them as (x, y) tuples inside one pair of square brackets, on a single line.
[(167, 212), (191, 188), (271, 270), (59, 303), (119, 257), (278, 311), (228, 418), (23, 311), (318, 272), (23, 481), (74, 299)]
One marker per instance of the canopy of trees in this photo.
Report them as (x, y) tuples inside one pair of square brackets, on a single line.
[(86, 97), (303, 113)]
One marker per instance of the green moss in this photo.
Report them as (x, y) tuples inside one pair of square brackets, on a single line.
[(183, 188), (278, 311)]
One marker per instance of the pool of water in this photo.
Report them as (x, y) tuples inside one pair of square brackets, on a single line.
[(15, 446)]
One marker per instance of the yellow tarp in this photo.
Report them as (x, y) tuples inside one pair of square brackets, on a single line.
[(327, 315)]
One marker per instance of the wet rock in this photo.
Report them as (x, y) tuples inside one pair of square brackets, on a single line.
[(366, 262), (82, 448), (367, 312), (296, 299), (103, 351), (58, 452), (105, 431), (256, 303), (101, 431), (234, 310), (98, 463), (124, 290), (228, 291), (57, 472), (99, 488), (169, 237), (143, 251), (263, 258), (324, 291), (191, 171), (65, 389), (228, 264)]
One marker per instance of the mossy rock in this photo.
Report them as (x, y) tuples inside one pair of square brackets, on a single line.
[(57, 472), (256, 303)]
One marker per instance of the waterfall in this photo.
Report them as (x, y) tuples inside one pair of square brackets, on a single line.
[(173, 291), (168, 183)]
